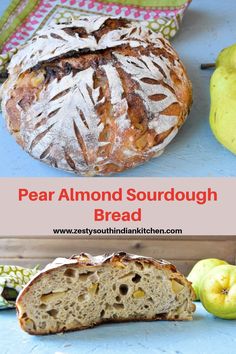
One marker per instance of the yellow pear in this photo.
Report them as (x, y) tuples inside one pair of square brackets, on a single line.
[(223, 99), (218, 291), (200, 269)]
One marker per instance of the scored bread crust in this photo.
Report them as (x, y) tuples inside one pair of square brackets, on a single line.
[(180, 307), (96, 96)]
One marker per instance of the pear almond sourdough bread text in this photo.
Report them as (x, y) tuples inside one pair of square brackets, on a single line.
[(84, 291)]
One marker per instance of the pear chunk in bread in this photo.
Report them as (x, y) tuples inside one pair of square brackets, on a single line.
[(84, 291)]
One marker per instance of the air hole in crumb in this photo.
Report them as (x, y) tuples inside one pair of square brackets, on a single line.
[(24, 315), (70, 273), (52, 312), (139, 265), (114, 287), (81, 297), (42, 325), (102, 313), (123, 289), (43, 306), (118, 306), (118, 298), (107, 306), (146, 306), (136, 278), (84, 276)]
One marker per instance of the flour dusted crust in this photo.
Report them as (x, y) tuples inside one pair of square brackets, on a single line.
[(96, 96), (84, 291)]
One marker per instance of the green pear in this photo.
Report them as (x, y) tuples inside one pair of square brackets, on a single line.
[(223, 99), (199, 271)]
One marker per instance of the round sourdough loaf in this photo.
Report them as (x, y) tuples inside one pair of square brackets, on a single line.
[(96, 96)]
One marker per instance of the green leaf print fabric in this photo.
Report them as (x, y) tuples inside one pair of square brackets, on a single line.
[(12, 281), (24, 17)]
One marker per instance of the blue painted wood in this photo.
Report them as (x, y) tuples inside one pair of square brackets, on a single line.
[(207, 27), (205, 334)]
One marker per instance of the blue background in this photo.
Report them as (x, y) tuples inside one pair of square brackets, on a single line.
[(204, 335), (208, 26)]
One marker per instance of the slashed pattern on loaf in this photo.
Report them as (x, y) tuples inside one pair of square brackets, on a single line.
[(63, 124), (82, 128), (146, 71), (54, 41), (80, 132)]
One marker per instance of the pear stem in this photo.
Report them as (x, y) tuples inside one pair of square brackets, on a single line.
[(208, 66)]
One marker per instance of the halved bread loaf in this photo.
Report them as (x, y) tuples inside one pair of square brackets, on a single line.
[(84, 291)]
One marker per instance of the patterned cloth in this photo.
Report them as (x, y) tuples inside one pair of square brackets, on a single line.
[(12, 281), (24, 17)]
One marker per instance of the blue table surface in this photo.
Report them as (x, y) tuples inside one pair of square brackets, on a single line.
[(208, 26), (204, 335)]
